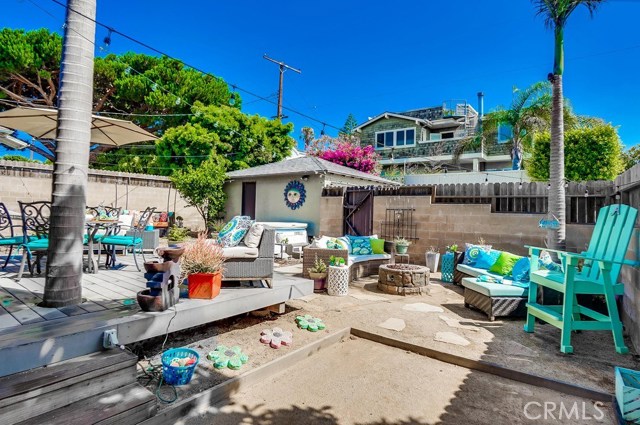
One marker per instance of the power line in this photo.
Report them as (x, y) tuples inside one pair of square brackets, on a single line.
[(160, 52)]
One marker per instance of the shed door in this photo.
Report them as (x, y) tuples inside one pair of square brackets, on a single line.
[(249, 199)]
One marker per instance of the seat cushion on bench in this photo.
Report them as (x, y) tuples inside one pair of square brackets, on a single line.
[(474, 271), (240, 251), (360, 258), (494, 289)]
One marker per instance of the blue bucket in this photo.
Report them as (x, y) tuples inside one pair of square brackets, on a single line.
[(178, 375)]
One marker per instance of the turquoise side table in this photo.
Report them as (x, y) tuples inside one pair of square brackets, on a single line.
[(448, 266)]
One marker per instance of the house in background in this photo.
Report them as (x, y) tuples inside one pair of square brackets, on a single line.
[(430, 136), (290, 190)]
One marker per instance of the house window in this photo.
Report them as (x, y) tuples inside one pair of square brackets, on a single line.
[(505, 133), (389, 139), (447, 135)]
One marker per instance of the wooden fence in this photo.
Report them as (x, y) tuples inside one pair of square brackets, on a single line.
[(583, 200)]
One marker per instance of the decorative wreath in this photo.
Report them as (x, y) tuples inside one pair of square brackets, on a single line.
[(294, 194)]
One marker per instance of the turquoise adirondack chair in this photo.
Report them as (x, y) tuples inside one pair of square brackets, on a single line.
[(594, 271)]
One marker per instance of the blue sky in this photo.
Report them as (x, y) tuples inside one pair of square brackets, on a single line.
[(369, 57)]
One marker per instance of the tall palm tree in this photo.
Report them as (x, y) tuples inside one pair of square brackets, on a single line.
[(556, 13), (63, 285)]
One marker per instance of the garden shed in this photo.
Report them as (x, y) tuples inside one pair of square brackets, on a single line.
[(290, 190)]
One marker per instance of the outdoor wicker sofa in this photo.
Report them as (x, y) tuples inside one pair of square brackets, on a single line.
[(244, 263), (360, 266)]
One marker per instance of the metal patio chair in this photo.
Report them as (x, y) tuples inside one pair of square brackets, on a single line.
[(35, 231), (8, 237), (134, 241)]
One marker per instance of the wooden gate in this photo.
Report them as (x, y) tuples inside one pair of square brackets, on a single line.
[(358, 211)]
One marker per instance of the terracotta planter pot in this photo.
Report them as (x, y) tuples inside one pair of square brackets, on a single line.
[(205, 285), (319, 281)]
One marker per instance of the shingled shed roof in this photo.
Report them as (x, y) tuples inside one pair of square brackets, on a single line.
[(306, 165)]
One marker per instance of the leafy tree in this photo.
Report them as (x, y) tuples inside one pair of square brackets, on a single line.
[(349, 126), (19, 158), (556, 13), (631, 157), (345, 150), (529, 112), (30, 66), (236, 139), (63, 284), (202, 188), (592, 153), (135, 159), (156, 93)]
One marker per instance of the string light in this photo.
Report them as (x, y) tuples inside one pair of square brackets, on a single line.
[(160, 52), (586, 193), (548, 186), (322, 131), (520, 185), (486, 179)]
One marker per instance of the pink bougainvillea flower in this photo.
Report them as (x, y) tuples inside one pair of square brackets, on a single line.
[(276, 337)]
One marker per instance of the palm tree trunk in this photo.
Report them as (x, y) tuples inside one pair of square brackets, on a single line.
[(556, 237), (63, 285)]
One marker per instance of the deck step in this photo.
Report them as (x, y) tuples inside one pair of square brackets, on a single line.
[(35, 392), (128, 405)]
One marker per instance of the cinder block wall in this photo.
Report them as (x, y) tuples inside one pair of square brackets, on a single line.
[(29, 182)]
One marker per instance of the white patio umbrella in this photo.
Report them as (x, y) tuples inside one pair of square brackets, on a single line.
[(42, 123)]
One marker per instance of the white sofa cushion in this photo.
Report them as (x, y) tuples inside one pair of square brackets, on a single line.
[(240, 251), (360, 258), (253, 236)]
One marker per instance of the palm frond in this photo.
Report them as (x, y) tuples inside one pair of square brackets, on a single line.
[(556, 12)]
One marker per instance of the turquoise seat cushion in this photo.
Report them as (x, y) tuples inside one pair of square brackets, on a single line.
[(495, 289), (234, 231), (15, 240), (37, 244), (474, 271), (121, 240)]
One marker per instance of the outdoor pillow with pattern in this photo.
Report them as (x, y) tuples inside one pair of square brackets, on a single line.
[(360, 245), (233, 232), (472, 252)]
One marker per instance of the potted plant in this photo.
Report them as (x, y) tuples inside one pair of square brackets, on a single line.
[(176, 235), (216, 226), (202, 262), (319, 275), (401, 245), (432, 258)]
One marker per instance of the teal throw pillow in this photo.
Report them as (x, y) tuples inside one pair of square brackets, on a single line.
[(360, 245), (472, 252), (234, 231), (521, 268), (504, 264), (337, 243), (545, 262), (486, 259)]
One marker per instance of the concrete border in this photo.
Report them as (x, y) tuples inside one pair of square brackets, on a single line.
[(200, 402)]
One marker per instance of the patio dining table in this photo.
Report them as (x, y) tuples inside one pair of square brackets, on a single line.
[(93, 226)]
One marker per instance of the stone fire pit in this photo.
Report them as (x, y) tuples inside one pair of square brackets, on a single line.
[(403, 279)]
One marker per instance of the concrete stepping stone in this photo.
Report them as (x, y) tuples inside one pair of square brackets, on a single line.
[(393, 324), (451, 338), (308, 298), (423, 307), (454, 323), (368, 297)]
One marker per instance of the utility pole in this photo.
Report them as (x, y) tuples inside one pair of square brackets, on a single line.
[(283, 67)]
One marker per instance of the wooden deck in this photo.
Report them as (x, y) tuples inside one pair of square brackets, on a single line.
[(33, 336)]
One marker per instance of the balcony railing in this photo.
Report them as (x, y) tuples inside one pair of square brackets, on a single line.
[(440, 148)]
